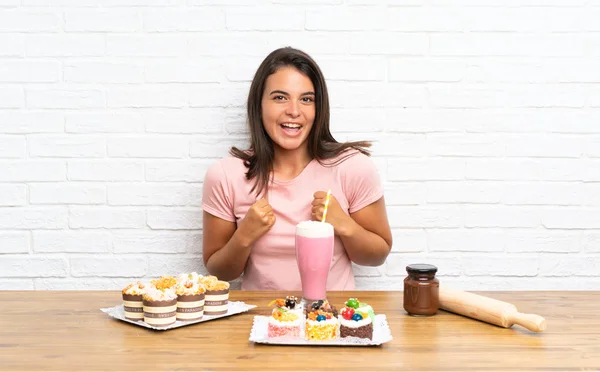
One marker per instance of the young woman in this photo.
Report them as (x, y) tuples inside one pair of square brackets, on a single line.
[(253, 199)]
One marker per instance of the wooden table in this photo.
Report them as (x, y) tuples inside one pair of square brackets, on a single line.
[(49, 330)]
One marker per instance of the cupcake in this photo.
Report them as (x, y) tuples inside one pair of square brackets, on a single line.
[(160, 306), (132, 301), (321, 325), (216, 301), (190, 299), (355, 320), (286, 318)]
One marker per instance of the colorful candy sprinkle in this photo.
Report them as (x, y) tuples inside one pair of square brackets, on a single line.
[(356, 317), (353, 303), (347, 313)]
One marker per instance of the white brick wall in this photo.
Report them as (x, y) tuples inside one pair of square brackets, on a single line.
[(485, 113)]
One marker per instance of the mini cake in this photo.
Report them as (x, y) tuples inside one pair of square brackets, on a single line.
[(216, 301), (285, 319), (190, 300), (132, 301), (321, 325), (160, 306), (354, 322)]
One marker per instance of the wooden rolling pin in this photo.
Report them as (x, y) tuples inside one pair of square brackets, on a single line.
[(488, 310)]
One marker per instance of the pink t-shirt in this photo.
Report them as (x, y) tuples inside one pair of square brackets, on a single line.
[(354, 182)]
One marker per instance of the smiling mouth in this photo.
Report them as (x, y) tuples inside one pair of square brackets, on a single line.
[(291, 129), (290, 126)]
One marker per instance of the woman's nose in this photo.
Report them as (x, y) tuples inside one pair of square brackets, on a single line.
[(292, 108)]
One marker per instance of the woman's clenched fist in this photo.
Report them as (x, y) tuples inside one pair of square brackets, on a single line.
[(258, 220)]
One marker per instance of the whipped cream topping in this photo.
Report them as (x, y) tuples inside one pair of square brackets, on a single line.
[(189, 287), (154, 294), (322, 322), (314, 229), (193, 276), (137, 288), (293, 323), (354, 323), (212, 283)]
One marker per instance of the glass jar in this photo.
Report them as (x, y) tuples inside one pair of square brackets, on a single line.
[(421, 290)]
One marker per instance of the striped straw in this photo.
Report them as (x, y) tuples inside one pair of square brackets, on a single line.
[(326, 205)]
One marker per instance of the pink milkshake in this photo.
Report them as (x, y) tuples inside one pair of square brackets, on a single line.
[(314, 252)]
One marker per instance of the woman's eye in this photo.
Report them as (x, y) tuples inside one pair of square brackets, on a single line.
[(279, 98), (307, 99)]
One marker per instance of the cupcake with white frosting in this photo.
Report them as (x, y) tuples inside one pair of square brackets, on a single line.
[(160, 306), (132, 300), (190, 299), (216, 301)]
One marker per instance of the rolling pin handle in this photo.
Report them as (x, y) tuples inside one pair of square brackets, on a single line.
[(532, 322)]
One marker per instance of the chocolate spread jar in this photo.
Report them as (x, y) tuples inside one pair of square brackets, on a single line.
[(421, 290)]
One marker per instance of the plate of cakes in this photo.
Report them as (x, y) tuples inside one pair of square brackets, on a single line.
[(170, 302), (320, 323)]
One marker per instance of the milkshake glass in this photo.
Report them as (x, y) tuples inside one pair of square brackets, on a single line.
[(314, 253)]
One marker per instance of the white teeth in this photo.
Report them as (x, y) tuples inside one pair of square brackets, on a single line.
[(288, 125)]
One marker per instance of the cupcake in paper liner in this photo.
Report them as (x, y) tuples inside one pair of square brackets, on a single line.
[(132, 300), (216, 301), (160, 306), (190, 299)]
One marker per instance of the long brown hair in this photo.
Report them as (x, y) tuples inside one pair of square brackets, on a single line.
[(321, 144)]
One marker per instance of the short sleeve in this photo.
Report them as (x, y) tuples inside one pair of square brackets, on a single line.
[(362, 183), (216, 198)]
